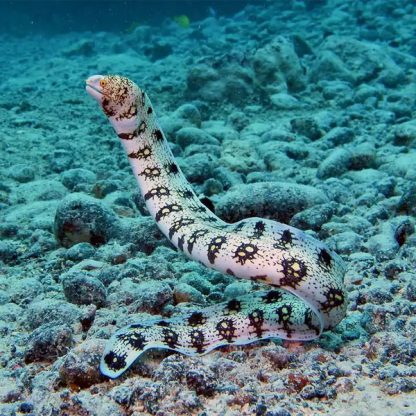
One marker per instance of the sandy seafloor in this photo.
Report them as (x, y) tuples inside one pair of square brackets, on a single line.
[(322, 97)]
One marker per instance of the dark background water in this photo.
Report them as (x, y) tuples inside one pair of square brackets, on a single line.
[(60, 16)]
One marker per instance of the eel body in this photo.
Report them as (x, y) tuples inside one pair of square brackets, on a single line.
[(307, 293)]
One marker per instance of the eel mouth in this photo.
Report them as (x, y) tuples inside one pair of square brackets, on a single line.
[(92, 87), (94, 91)]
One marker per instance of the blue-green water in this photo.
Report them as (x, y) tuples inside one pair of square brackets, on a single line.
[(255, 98)]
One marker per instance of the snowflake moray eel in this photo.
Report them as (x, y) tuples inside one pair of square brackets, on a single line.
[(307, 293)]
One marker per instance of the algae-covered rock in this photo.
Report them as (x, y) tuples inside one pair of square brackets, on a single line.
[(80, 218), (276, 200)]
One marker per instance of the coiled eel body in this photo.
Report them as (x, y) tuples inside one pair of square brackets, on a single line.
[(307, 294)]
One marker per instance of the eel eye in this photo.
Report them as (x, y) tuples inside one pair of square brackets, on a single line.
[(103, 83)]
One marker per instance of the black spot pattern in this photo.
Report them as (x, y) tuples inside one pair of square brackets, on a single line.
[(272, 296), (109, 112), (226, 329), (172, 168), (164, 323), (178, 224), (135, 339), (294, 271), (334, 298), (150, 173), (194, 237), (245, 252), (157, 192), (157, 135), (197, 318), (181, 241), (208, 218), (166, 210), (142, 127), (256, 318), (283, 317), (115, 361), (325, 259), (197, 208), (185, 193), (130, 113), (150, 110), (309, 323), (142, 99), (126, 136), (170, 337), (197, 340), (214, 247), (258, 277), (239, 226), (259, 228), (136, 326), (285, 241), (143, 153), (233, 306)]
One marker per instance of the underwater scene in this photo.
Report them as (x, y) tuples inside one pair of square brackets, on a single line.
[(208, 208)]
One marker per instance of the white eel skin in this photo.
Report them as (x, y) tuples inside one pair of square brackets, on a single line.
[(307, 294)]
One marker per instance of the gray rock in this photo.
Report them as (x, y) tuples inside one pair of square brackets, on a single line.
[(383, 246), (40, 190), (10, 312), (48, 311), (338, 135), (81, 366), (283, 101), (189, 113), (81, 48), (198, 168), (80, 218), (407, 201), (221, 132), (23, 291), (80, 251), (313, 218), (347, 242), (411, 289), (277, 135), (365, 92), (237, 88), (60, 160), (48, 342), (212, 187), (197, 281), (236, 289), (82, 289), (209, 149), (192, 135), (329, 66), (343, 159), (21, 173), (355, 61), (9, 251), (146, 296), (184, 292), (307, 126), (405, 133), (76, 179), (336, 90), (276, 200), (143, 233), (238, 120), (277, 64), (202, 381)]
